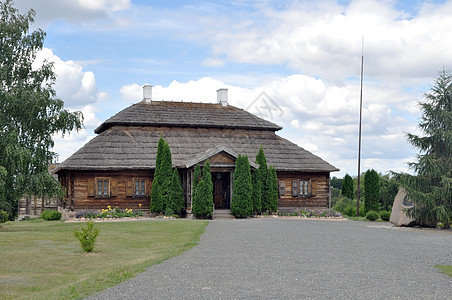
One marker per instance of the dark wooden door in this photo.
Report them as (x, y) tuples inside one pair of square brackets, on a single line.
[(218, 193)]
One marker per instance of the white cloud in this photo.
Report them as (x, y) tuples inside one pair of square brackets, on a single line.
[(74, 86)]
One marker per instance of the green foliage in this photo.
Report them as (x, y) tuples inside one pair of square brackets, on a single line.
[(431, 188), (335, 196), (156, 198), (261, 174), (371, 190), (241, 204), (87, 236), (372, 215), (385, 215), (347, 187), (50, 215), (31, 114), (3, 216), (162, 178), (347, 207), (197, 176), (336, 182), (176, 194), (203, 195), (270, 204), (256, 193)]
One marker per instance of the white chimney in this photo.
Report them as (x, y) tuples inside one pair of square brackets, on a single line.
[(222, 97), (147, 93)]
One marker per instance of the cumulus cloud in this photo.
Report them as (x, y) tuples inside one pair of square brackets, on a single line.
[(73, 85)]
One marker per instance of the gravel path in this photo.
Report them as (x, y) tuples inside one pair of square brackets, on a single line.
[(303, 259)]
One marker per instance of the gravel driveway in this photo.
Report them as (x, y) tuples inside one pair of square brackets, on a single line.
[(303, 259)]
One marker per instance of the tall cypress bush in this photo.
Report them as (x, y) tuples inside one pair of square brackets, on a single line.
[(261, 174), (241, 205), (347, 187), (176, 194), (256, 194), (162, 177), (270, 204), (203, 194), (371, 190)]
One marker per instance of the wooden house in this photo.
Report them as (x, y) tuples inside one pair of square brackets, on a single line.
[(117, 166)]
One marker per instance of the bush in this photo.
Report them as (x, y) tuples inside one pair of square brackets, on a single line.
[(87, 236), (385, 215), (3, 216), (372, 215), (86, 213), (50, 215), (241, 204)]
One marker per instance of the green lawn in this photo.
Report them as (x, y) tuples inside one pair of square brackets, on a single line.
[(43, 260), (446, 270)]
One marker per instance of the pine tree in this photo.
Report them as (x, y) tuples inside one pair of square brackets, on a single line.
[(30, 112), (271, 191), (371, 190), (347, 187), (176, 194), (261, 174), (241, 204), (431, 188)]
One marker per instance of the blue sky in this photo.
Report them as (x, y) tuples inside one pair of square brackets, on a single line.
[(305, 55)]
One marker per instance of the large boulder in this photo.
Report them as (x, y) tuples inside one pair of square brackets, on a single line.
[(398, 216)]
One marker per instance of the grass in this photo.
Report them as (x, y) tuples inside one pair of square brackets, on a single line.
[(43, 260), (446, 270)]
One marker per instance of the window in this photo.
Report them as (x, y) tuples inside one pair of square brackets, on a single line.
[(140, 188), (102, 187), (304, 186)]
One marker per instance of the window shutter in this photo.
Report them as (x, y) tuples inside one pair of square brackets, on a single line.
[(129, 188), (282, 188), (91, 188), (114, 187), (295, 188), (313, 188)]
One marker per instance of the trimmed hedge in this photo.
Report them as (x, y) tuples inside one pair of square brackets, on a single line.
[(385, 215), (50, 215), (372, 215)]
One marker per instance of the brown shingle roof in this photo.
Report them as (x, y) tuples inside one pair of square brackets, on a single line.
[(136, 148), (186, 114)]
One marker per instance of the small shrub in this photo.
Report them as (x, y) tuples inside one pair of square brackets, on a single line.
[(87, 236), (50, 215), (3, 216), (385, 215), (86, 213), (372, 215)]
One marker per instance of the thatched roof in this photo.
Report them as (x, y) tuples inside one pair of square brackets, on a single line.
[(186, 114), (135, 148)]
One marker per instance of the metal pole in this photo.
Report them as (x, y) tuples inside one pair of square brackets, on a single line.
[(360, 121)]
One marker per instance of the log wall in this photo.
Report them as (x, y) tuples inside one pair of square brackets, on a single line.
[(319, 190), (81, 190)]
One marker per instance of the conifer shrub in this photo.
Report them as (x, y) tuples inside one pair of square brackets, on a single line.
[(203, 194), (385, 215), (347, 187), (87, 236), (270, 205), (176, 194), (241, 204), (372, 215), (256, 194), (371, 190), (156, 198), (261, 174), (51, 215)]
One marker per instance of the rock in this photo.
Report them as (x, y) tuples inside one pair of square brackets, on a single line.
[(398, 216)]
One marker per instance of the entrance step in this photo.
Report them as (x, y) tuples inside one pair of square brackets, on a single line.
[(223, 214)]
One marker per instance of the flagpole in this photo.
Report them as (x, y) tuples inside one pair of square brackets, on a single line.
[(360, 121)]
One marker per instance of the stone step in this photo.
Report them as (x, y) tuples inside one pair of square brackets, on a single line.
[(223, 214)]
